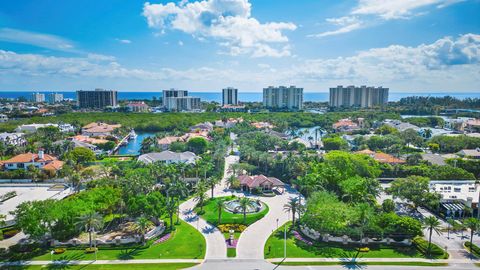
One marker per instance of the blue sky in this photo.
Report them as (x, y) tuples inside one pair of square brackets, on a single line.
[(406, 45)]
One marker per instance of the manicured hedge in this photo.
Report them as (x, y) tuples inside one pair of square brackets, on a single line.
[(473, 248), (435, 251)]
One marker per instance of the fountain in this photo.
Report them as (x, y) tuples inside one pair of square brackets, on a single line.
[(234, 207)]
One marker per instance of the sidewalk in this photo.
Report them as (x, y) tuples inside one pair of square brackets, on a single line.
[(374, 260)]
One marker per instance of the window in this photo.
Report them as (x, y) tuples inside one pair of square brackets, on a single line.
[(457, 189)]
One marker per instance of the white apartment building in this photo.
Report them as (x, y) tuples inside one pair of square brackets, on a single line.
[(53, 98), (178, 100), (37, 97), (362, 96), (283, 97), (229, 96)]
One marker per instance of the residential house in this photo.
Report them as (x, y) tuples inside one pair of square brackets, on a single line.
[(434, 159), (381, 157), (165, 142), (99, 129), (40, 160), (17, 139), (169, 157), (207, 127), (249, 183), (88, 139), (470, 153), (399, 125), (29, 128), (261, 125), (472, 125), (345, 125)]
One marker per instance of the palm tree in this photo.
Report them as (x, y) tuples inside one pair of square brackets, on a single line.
[(90, 222), (432, 224), (220, 206), (293, 205), (451, 224), (212, 182), (200, 195), (472, 224), (141, 226), (232, 181), (178, 190), (171, 208), (244, 203), (147, 144)]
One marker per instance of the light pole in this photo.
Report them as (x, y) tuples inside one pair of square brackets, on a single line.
[(477, 185)]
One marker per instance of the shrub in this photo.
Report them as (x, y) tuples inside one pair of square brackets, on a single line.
[(90, 250), (8, 233), (422, 246), (59, 250), (473, 248), (225, 228)]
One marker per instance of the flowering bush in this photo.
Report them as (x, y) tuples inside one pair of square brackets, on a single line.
[(90, 250), (163, 238), (364, 249), (299, 237), (225, 228), (59, 250)]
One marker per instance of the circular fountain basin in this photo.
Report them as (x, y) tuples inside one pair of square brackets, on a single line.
[(234, 207)]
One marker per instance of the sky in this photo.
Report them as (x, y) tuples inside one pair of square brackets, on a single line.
[(206, 45)]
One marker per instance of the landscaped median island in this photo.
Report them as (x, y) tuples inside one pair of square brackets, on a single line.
[(300, 246), (232, 215)]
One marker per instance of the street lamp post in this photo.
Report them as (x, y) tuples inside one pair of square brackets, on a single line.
[(477, 185)]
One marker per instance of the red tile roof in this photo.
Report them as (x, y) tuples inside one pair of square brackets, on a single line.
[(256, 180), (28, 157)]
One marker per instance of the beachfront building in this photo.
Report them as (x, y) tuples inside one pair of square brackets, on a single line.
[(97, 99), (362, 96), (53, 98), (169, 157), (230, 96), (282, 97), (179, 101), (37, 97)]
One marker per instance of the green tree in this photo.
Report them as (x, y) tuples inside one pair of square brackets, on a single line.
[(244, 203), (293, 205), (212, 182), (220, 206), (432, 224), (335, 143), (171, 208), (198, 145), (141, 226), (81, 155), (200, 195), (415, 189), (388, 206), (89, 223), (472, 224)]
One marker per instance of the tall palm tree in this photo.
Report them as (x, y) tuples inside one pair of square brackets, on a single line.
[(232, 181), (472, 224), (293, 206), (171, 208), (200, 195), (177, 190), (212, 182), (451, 224), (90, 222), (141, 226), (244, 203), (220, 206), (432, 224), (147, 144)]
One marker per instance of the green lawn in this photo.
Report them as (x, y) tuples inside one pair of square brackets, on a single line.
[(165, 266), (186, 243), (298, 249), (362, 263), (211, 213)]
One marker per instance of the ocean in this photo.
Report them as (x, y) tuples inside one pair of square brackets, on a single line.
[(242, 96)]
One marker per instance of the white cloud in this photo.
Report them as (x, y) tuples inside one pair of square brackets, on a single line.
[(450, 63), (124, 41), (444, 63), (36, 39), (377, 11), (228, 21), (180, 43)]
